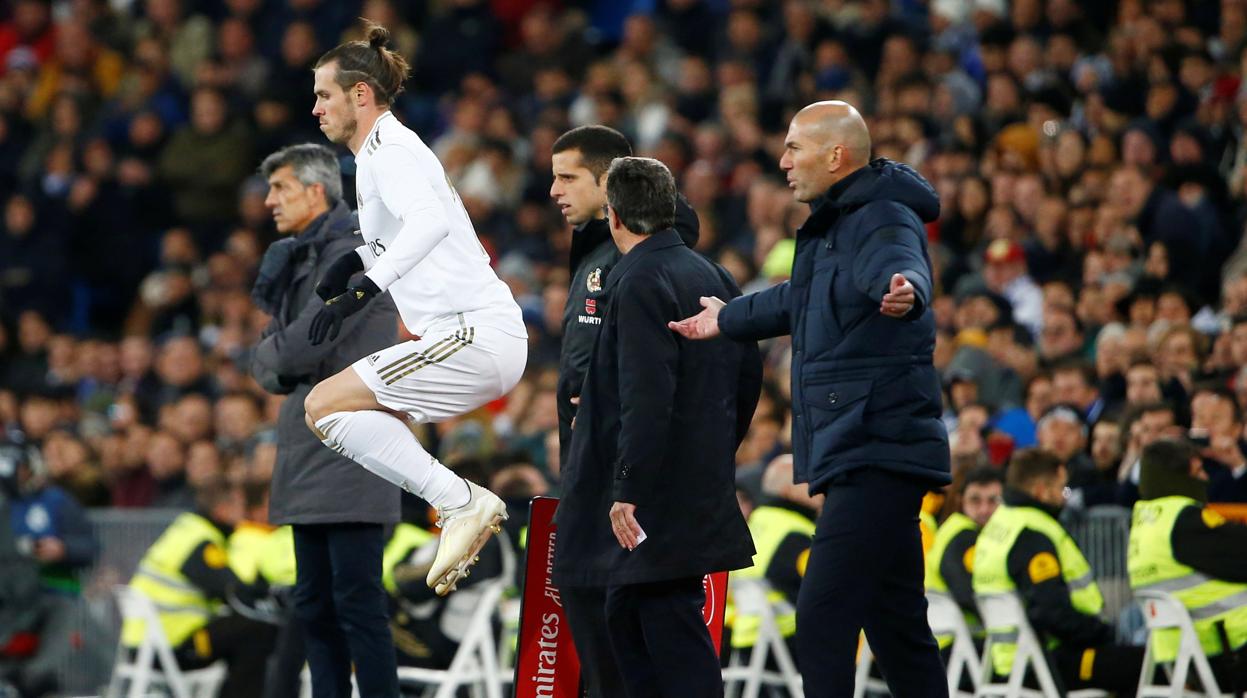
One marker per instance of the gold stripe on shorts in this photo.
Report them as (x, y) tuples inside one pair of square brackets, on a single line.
[(461, 339), (402, 363)]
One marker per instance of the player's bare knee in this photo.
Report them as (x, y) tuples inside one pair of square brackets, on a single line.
[(311, 424), (317, 405)]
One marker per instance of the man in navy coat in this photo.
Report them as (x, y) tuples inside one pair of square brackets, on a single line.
[(649, 499), (866, 398)]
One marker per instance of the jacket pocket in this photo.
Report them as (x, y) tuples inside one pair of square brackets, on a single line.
[(836, 412)]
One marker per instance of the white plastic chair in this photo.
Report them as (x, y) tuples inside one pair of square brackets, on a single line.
[(1005, 610), (476, 661), (945, 618), (863, 681), (1163, 611), (751, 598), (153, 663)]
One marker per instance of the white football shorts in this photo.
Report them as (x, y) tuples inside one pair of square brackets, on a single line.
[(452, 370)]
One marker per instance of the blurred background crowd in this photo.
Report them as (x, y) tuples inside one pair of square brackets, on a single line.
[(1091, 159)]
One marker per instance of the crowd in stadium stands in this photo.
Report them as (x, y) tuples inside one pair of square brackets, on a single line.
[(1091, 159)]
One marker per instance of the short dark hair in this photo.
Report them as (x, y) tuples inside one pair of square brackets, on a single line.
[(312, 164), (1076, 365), (369, 62), (212, 492), (254, 492), (641, 192), (1031, 465), (1168, 454), (598, 147), (984, 475), (1222, 393)]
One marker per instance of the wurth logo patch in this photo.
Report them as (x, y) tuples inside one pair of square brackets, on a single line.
[(591, 306)]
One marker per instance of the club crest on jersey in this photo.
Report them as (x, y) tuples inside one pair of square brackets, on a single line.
[(594, 282), (591, 306)]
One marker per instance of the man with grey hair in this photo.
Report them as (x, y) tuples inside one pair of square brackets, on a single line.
[(338, 510), (649, 505)]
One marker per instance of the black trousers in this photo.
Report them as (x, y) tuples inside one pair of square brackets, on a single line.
[(244, 644), (865, 572), (340, 601), (585, 608), (660, 640)]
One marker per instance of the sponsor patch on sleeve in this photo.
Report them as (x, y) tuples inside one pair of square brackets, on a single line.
[(968, 559), (215, 557), (1211, 518), (1043, 567)]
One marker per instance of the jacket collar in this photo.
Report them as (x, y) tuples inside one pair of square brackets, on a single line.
[(1017, 498), (322, 228), (657, 241)]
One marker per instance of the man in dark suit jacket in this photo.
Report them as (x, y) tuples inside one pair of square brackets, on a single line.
[(650, 504)]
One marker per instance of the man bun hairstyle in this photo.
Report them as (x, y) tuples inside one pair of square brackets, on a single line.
[(384, 70)]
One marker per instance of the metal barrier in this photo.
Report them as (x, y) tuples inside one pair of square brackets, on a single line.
[(124, 536), (1103, 534)]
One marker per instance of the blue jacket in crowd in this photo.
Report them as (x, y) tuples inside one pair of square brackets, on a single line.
[(864, 390)]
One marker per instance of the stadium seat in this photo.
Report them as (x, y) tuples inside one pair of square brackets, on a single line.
[(1163, 611), (476, 661), (152, 663), (864, 681), (1006, 611), (751, 597), (946, 618)]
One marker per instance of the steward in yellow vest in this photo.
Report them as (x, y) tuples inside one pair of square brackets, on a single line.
[(782, 529), (187, 576), (950, 561), (258, 548), (1178, 546), (1024, 550)]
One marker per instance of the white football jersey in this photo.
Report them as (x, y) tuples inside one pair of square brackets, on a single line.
[(419, 242)]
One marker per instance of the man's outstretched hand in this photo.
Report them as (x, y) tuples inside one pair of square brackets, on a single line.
[(899, 299), (703, 325)]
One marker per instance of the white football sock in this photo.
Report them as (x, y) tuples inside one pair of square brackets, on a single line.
[(386, 447)]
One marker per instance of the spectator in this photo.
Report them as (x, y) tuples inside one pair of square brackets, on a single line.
[(204, 162), (166, 461), (1073, 383), (52, 528), (1005, 274), (1217, 428)]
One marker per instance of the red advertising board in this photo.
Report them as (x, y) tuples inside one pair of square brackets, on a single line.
[(546, 665)]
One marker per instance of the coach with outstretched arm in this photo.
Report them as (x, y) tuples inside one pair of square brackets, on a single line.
[(866, 398)]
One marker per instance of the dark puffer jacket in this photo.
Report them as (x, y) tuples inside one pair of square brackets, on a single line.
[(865, 392)]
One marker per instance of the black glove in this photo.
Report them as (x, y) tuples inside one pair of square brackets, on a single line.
[(328, 321), (273, 277), (338, 276)]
